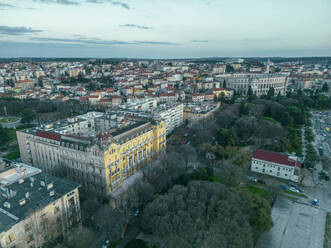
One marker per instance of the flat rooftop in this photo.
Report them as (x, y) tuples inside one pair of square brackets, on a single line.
[(29, 194)]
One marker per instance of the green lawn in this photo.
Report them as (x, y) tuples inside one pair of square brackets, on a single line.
[(295, 194), (137, 243), (12, 134), (268, 195), (9, 120)]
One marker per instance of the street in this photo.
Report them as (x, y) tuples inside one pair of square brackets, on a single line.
[(298, 223)]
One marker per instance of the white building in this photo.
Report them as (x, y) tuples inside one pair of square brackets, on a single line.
[(35, 207), (260, 83), (141, 105), (276, 164), (172, 114)]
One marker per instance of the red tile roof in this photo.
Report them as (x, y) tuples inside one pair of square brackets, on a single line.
[(48, 135), (275, 158)]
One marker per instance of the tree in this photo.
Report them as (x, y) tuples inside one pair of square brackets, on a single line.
[(271, 92), (40, 82), (229, 68), (205, 214), (28, 115), (278, 96), (250, 94), (227, 137), (224, 84), (325, 87), (80, 237), (4, 137)]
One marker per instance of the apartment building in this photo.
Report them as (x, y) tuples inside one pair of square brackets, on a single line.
[(35, 207), (96, 150), (196, 112), (171, 114), (276, 164)]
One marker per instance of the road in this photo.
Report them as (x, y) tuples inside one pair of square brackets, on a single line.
[(322, 120), (299, 224)]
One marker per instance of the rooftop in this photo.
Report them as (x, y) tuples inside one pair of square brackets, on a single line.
[(27, 192), (274, 157)]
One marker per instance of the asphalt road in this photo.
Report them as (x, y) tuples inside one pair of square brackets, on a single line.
[(299, 224)]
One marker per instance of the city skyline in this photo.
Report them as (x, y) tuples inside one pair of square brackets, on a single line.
[(139, 29)]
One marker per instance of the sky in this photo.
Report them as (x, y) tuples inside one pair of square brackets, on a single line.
[(165, 28)]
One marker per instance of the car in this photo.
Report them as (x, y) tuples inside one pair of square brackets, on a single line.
[(315, 202), (253, 179), (294, 190), (283, 186), (106, 244), (300, 189), (292, 185), (136, 213), (261, 181)]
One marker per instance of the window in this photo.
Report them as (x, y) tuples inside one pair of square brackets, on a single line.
[(286, 175), (27, 227), (10, 238), (277, 173), (263, 170), (270, 171), (29, 238)]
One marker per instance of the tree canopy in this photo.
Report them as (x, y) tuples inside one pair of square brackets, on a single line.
[(206, 214)]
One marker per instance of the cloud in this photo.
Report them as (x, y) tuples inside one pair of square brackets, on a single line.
[(78, 2), (113, 2), (64, 2), (5, 6), (199, 41), (155, 42), (17, 30), (82, 40), (135, 26), (122, 4), (79, 39)]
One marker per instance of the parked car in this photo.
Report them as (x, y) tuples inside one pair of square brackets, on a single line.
[(106, 244), (294, 189), (261, 181), (283, 186), (315, 202), (253, 179), (300, 189)]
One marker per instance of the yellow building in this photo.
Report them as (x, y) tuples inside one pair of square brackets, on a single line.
[(91, 151), (130, 148)]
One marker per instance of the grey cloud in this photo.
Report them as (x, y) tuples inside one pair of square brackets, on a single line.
[(77, 2), (135, 26), (64, 2), (81, 41), (122, 4), (155, 42), (5, 6), (113, 2), (17, 30), (199, 41)]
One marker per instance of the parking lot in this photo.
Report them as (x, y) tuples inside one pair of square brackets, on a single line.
[(295, 225)]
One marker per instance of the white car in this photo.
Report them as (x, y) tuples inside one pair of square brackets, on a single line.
[(294, 190)]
